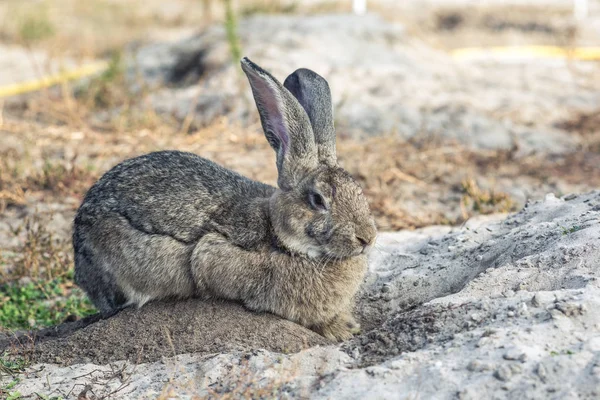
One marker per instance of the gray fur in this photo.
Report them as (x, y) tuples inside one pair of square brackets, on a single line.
[(313, 93), (174, 225), (285, 124)]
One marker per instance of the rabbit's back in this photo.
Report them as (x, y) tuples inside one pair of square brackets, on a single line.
[(170, 193), (137, 226)]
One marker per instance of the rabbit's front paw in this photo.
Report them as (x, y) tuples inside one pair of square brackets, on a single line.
[(342, 327)]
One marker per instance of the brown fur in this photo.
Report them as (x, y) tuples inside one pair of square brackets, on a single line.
[(174, 225)]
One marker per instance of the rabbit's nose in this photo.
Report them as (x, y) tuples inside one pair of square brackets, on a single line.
[(364, 242)]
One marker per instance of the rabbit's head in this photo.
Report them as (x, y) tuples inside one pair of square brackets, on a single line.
[(319, 209)]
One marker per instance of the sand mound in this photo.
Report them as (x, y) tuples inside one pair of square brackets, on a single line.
[(165, 329)]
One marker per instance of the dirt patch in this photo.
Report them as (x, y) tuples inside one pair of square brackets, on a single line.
[(582, 123), (163, 329)]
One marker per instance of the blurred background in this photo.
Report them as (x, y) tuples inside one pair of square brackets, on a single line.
[(445, 109)]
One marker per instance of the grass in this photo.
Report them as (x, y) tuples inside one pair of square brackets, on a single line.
[(11, 365), (269, 7), (478, 201), (41, 303), (38, 288), (566, 231), (232, 35), (34, 27)]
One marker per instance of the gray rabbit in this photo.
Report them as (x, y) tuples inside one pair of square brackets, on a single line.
[(171, 224)]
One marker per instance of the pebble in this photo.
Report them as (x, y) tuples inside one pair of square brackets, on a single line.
[(479, 366), (503, 373), (541, 372), (484, 341), (469, 394), (570, 309), (476, 317), (515, 355)]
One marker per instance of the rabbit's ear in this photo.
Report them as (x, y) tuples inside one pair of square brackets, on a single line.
[(286, 126), (312, 92)]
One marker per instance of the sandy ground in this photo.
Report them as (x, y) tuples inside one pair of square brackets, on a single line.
[(499, 308)]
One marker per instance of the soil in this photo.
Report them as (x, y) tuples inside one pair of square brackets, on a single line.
[(163, 329)]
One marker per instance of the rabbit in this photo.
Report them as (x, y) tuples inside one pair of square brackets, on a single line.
[(171, 224)]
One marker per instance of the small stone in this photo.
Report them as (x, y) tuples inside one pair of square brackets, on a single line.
[(386, 288), (469, 394), (473, 366), (503, 373), (516, 369), (396, 364), (515, 355), (479, 366), (510, 313), (593, 344), (523, 308), (541, 372), (542, 298), (550, 198), (479, 257), (570, 309)]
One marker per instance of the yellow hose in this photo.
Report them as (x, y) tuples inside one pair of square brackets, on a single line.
[(47, 81), (577, 53)]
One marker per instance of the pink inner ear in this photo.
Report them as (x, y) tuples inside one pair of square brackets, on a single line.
[(272, 105)]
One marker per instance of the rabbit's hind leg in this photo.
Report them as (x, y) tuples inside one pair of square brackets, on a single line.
[(99, 284)]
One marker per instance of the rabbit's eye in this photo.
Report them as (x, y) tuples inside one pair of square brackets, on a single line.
[(317, 201)]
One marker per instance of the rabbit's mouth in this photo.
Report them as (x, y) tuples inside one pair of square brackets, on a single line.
[(343, 254), (328, 251)]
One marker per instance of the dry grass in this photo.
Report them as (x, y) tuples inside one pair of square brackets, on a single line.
[(92, 28), (473, 24), (409, 184), (42, 254)]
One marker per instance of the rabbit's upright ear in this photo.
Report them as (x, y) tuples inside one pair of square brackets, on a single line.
[(312, 92), (286, 126)]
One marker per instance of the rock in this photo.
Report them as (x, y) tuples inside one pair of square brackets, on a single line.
[(515, 355), (503, 373), (541, 299)]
